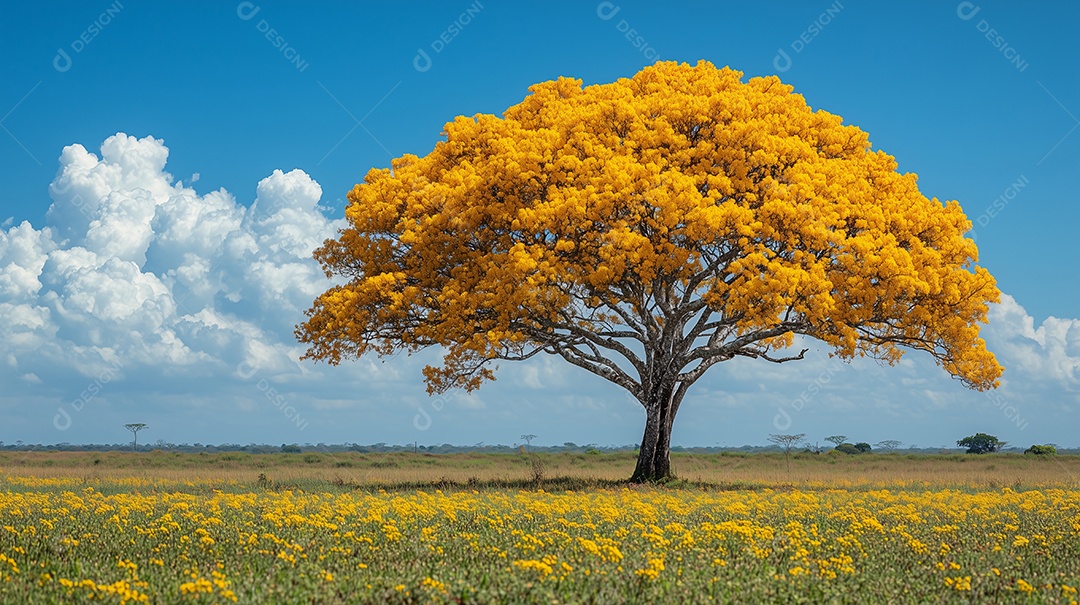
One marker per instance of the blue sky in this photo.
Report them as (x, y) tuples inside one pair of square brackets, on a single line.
[(143, 299)]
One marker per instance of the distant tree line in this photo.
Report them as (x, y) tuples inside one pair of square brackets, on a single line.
[(979, 443), (447, 448)]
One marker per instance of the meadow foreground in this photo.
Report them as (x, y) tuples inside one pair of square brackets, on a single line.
[(128, 540)]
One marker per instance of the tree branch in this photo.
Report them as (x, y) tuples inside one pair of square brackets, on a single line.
[(607, 371)]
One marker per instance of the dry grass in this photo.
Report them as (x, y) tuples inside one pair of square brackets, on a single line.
[(727, 470)]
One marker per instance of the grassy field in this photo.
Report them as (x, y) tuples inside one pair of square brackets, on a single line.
[(414, 528), (313, 469)]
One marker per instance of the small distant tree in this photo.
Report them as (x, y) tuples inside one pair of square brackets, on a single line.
[(290, 449), (847, 448), (135, 427), (863, 447), (981, 443), (889, 444), (787, 441), (528, 440), (536, 464), (1041, 450), (837, 439)]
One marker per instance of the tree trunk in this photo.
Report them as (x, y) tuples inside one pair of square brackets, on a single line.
[(654, 458)]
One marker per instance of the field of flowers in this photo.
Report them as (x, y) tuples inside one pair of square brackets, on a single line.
[(68, 540)]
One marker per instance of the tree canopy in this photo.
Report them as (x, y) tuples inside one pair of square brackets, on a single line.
[(135, 427), (645, 230), (981, 443), (786, 442)]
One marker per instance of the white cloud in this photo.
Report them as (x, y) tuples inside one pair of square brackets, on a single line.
[(1050, 352), (23, 252), (133, 265)]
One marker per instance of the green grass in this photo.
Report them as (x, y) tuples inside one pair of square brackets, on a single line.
[(342, 471)]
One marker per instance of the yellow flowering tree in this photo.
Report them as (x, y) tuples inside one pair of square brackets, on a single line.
[(646, 230)]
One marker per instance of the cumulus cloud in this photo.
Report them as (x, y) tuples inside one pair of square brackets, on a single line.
[(135, 269), (1047, 353), (142, 291)]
